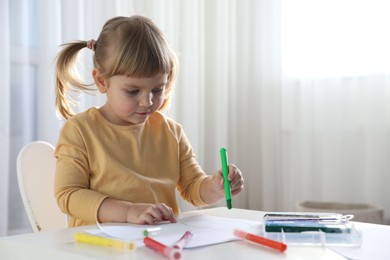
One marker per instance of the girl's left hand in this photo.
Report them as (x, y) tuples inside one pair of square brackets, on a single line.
[(235, 177)]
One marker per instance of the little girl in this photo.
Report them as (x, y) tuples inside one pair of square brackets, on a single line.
[(122, 162)]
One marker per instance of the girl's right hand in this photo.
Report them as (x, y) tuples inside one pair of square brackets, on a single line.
[(149, 214)]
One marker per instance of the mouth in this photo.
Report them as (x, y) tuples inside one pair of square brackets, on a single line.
[(143, 113)]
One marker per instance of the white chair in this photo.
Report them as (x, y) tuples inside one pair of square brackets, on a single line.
[(36, 169)]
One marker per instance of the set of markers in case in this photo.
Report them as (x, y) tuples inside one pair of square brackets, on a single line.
[(306, 228)]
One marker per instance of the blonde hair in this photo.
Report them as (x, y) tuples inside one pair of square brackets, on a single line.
[(132, 46)]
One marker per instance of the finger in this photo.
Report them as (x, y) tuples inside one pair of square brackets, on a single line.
[(237, 190), (171, 216), (233, 171), (166, 212), (237, 179), (155, 213), (147, 219), (239, 184)]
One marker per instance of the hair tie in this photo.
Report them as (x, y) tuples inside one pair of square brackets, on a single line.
[(91, 44)]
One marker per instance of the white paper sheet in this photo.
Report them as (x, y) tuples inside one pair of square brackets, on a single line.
[(207, 230)]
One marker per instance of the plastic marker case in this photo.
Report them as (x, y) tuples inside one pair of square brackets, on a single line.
[(307, 228)]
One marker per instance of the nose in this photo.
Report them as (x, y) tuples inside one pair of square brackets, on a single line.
[(146, 100)]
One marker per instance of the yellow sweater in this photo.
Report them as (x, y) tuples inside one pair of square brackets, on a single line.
[(139, 163)]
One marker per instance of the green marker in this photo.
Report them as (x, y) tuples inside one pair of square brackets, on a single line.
[(225, 173), (151, 231)]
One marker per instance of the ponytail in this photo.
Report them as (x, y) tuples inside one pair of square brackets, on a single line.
[(67, 77)]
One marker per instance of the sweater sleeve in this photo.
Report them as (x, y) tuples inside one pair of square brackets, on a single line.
[(191, 174), (71, 185)]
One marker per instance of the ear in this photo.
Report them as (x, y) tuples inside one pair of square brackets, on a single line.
[(100, 81)]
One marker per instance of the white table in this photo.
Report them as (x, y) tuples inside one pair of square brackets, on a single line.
[(59, 244)]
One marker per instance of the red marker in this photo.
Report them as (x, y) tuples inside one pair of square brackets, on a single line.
[(260, 240), (182, 242), (170, 252)]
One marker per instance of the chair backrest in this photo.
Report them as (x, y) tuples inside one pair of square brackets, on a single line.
[(36, 169)]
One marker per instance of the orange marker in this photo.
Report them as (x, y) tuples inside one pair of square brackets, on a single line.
[(260, 240)]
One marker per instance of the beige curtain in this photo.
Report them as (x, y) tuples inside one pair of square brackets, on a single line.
[(4, 114)]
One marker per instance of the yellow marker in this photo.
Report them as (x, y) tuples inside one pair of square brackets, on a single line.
[(103, 241)]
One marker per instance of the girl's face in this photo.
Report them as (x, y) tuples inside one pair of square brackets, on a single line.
[(131, 101)]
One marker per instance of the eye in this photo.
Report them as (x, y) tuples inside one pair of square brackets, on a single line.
[(158, 90), (132, 92)]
